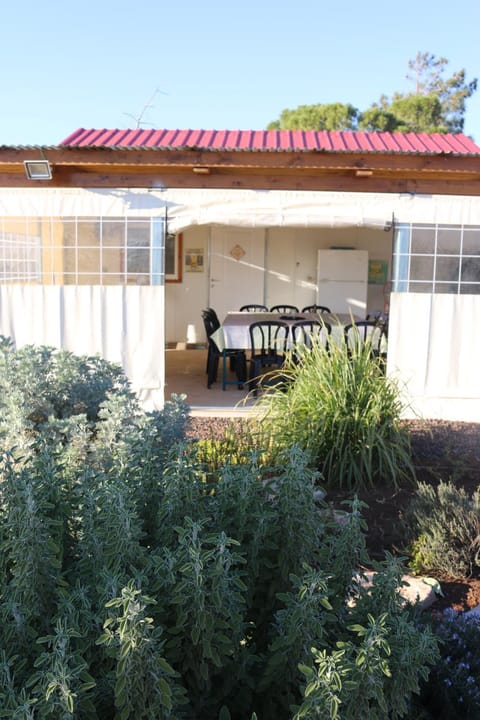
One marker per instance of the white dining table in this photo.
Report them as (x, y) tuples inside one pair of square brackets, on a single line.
[(234, 331)]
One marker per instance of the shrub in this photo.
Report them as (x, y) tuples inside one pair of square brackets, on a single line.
[(137, 582), (444, 528), (46, 382), (341, 408)]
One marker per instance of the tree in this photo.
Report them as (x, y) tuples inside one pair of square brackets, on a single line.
[(404, 113), (334, 116), (437, 104), (452, 93), (378, 117)]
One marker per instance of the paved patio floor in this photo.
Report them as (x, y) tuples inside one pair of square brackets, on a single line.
[(185, 372)]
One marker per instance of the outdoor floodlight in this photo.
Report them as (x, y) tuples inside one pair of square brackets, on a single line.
[(38, 169)]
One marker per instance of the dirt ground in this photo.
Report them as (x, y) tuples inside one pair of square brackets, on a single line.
[(441, 450)]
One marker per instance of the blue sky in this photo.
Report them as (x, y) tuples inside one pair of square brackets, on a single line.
[(214, 64)]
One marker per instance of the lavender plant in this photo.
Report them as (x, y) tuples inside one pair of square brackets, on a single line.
[(444, 528), (452, 690)]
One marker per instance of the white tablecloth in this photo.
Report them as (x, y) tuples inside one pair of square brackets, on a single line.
[(234, 331)]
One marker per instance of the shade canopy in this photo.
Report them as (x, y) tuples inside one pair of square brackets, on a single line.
[(244, 208)]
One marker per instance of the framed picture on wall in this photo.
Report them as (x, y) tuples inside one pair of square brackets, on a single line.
[(173, 257), (194, 260), (377, 272)]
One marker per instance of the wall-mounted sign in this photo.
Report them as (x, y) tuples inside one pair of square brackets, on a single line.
[(194, 260), (377, 272), (237, 252)]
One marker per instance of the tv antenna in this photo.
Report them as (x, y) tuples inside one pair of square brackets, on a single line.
[(139, 118)]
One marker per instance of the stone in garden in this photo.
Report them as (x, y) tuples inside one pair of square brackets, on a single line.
[(416, 589)]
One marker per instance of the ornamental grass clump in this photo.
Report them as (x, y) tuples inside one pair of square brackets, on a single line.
[(341, 408)]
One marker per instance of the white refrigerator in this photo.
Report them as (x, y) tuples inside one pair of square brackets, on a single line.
[(342, 280)]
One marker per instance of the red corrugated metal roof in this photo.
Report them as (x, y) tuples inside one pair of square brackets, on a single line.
[(274, 141)]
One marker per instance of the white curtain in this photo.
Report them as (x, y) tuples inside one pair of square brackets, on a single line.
[(434, 351), (124, 325)]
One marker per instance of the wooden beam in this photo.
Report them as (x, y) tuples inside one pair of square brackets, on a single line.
[(344, 181), (103, 157)]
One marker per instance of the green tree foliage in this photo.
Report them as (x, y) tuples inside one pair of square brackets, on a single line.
[(335, 116), (436, 104), (452, 92)]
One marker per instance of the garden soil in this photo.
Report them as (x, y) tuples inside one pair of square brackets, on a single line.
[(441, 451)]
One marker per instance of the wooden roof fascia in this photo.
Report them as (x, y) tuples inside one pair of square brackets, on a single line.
[(114, 158), (341, 181)]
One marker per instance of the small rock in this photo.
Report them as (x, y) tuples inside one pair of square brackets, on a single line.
[(418, 590), (415, 589)]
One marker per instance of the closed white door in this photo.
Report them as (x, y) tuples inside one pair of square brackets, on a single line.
[(237, 273)]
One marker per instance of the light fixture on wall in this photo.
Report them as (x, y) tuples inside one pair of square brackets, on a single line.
[(363, 172), (38, 169)]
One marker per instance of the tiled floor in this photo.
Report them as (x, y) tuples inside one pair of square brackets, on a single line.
[(185, 372)]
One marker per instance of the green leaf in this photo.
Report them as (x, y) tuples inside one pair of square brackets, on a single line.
[(166, 667), (165, 692), (306, 670), (224, 713), (70, 703), (195, 634), (125, 649), (434, 584)]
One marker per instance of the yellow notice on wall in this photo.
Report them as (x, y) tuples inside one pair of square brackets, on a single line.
[(377, 272)]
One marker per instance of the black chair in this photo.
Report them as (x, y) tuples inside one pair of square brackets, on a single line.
[(214, 354), (316, 309), (214, 324), (284, 309), (364, 331), (306, 333), (254, 308), (268, 344), (213, 315), (380, 317)]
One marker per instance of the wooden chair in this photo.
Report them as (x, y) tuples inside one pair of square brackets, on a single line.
[(254, 308), (268, 344)]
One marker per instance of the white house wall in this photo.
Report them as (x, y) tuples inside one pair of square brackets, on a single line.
[(291, 260), (185, 300)]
